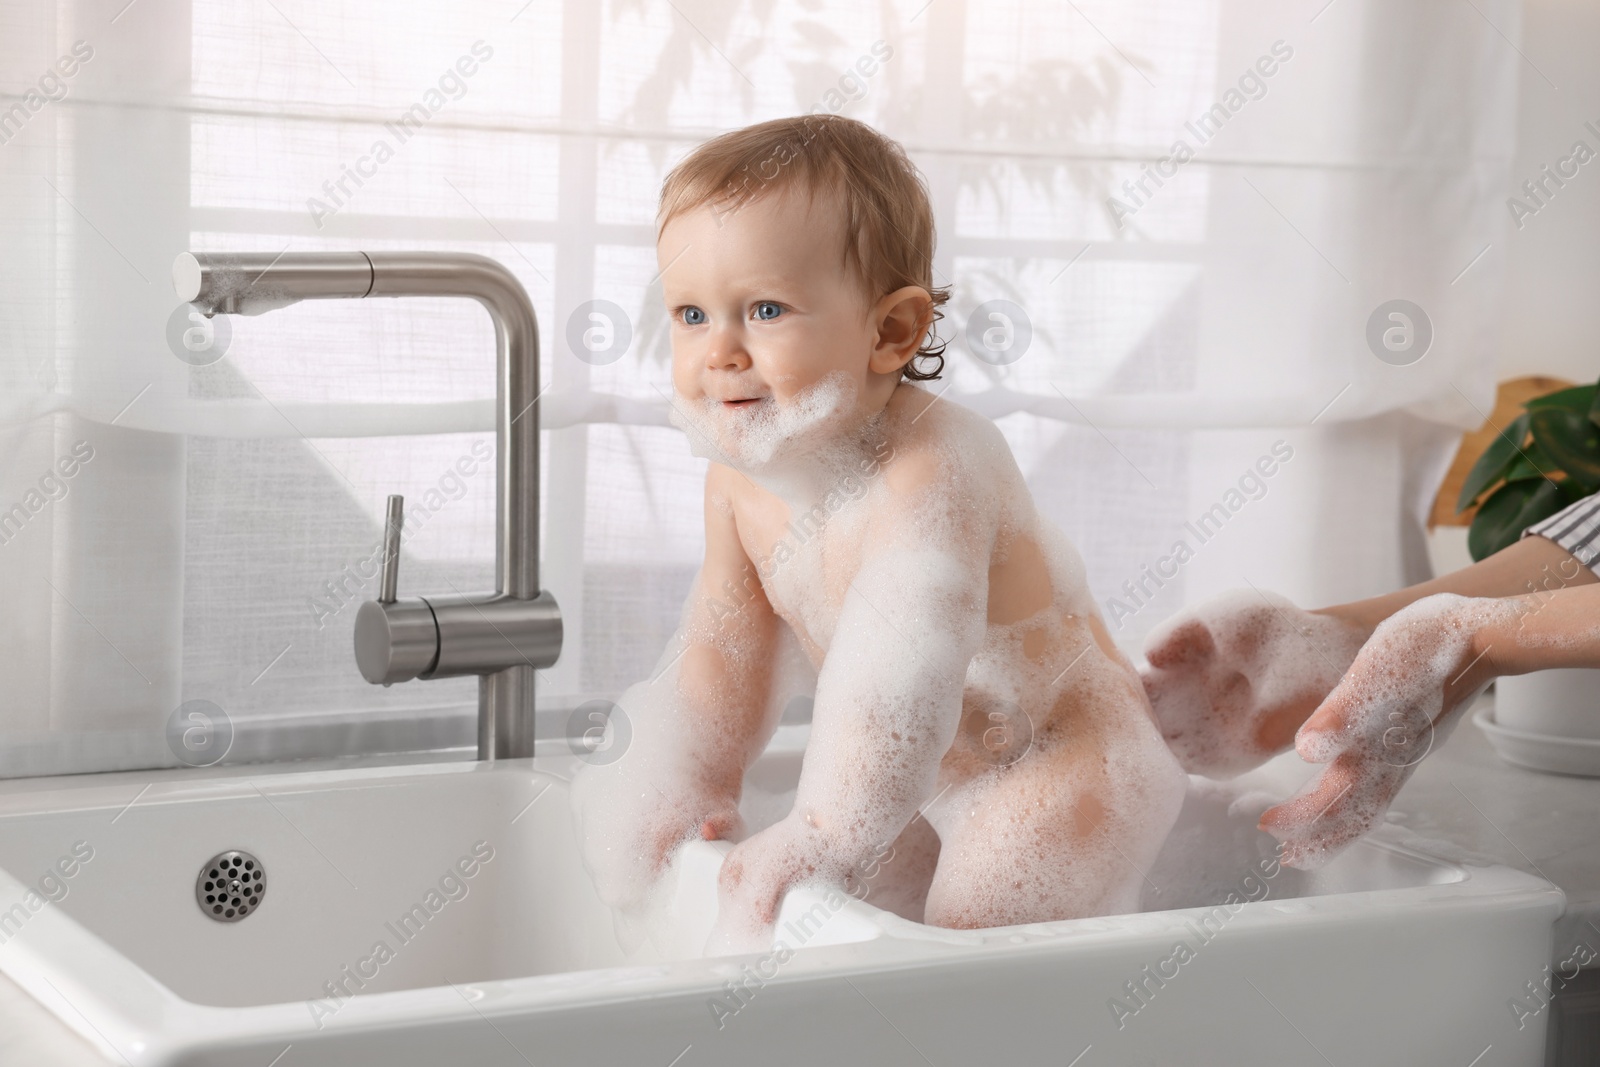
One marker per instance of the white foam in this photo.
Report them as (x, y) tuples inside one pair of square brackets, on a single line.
[(768, 435), (896, 593), (1392, 706), (635, 813), (1232, 678)]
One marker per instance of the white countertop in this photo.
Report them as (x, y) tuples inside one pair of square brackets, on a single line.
[(1545, 824), (1463, 802)]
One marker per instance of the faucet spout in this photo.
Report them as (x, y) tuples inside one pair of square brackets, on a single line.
[(501, 637)]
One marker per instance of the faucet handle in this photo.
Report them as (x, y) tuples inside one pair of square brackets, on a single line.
[(391, 549), (395, 640)]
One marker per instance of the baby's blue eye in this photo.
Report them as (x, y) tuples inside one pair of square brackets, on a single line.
[(693, 316), (768, 310)]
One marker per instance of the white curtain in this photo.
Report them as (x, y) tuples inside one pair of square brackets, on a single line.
[(212, 547)]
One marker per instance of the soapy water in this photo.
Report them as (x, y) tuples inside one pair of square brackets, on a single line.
[(1387, 713), (1232, 679), (888, 602), (1216, 849)]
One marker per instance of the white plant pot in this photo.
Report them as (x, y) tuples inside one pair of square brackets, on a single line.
[(1557, 703)]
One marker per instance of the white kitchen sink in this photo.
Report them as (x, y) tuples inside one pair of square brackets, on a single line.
[(1387, 956)]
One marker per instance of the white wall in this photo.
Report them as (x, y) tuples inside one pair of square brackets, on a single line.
[(1552, 313)]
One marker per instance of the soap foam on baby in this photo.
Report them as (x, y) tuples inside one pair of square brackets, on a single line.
[(935, 568), (932, 598)]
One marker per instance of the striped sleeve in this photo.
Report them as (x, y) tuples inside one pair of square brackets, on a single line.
[(1576, 529)]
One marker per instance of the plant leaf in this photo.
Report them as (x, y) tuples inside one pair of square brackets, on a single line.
[(1571, 441), (1572, 492), (1594, 409), (1579, 398), (1511, 509), (1532, 463), (1494, 463)]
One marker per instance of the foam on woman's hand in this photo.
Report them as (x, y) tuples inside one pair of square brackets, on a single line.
[(1230, 680), (1395, 704)]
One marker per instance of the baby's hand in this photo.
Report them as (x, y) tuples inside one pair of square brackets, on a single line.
[(631, 824), (1231, 680), (1394, 705), (755, 876)]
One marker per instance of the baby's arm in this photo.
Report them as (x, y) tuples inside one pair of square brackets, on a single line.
[(888, 703), (728, 638), (696, 725)]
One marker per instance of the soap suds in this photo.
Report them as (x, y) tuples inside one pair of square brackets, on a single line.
[(634, 812), (766, 434), (1231, 680), (1390, 706), (1027, 746)]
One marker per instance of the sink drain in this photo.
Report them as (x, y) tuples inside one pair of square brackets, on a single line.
[(230, 886)]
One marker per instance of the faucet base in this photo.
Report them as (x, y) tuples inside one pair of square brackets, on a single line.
[(505, 713)]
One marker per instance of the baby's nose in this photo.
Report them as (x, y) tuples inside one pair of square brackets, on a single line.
[(727, 356), (726, 351)]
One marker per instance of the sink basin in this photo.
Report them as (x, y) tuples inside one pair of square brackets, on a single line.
[(439, 912)]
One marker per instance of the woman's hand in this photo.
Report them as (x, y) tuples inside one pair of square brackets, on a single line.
[(1396, 703), (1231, 680)]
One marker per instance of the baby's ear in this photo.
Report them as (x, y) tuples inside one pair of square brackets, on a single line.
[(901, 319)]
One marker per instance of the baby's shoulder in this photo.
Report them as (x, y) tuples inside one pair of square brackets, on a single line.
[(946, 468), (939, 443)]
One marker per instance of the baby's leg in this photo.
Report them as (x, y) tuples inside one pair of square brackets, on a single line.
[(898, 880), (1066, 832)]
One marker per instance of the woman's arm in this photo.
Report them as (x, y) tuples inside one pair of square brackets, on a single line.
[(1559, 629), (1532, 565), (1401, 698), (1233, 679)]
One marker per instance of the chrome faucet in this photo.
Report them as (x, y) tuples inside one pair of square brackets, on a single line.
[(502, 637)]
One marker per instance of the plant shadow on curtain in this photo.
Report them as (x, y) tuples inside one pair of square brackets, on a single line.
[(1181, 317)]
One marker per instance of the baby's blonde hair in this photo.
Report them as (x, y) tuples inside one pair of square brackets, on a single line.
[(884, 201)]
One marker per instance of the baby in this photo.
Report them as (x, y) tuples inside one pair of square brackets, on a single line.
[(979, 744)]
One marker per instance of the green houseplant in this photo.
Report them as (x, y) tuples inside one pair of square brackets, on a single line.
[(1547, 458)]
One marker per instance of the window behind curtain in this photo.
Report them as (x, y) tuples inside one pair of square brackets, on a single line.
[(212, 551)]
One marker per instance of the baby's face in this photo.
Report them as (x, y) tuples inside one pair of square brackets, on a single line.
[(762, 309)]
